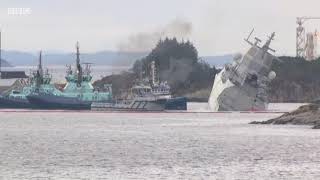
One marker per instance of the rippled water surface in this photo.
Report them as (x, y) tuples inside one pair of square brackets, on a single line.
[(64, 145)]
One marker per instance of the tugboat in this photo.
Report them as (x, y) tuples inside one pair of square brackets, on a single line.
[(163, 90), (146, 96), (38, 81), (141, 98), (242, 85), (78, 94)]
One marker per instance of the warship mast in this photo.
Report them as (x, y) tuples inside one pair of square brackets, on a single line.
[(266, 46)]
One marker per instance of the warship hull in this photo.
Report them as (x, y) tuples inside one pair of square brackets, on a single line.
[(226, 96)]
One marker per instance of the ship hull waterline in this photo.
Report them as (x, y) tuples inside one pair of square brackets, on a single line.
[(15, 103), (57, 103), (67, 103), (226, 96)]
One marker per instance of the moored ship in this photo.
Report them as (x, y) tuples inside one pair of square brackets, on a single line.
[(141, 99), (77, 94), (39, 80), (146, 96)]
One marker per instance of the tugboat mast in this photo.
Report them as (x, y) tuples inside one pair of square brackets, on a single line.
[(39, 73), (40, 64), (79, 68)]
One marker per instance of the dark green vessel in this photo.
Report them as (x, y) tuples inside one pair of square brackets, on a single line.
[(77, 94), (39, 80)]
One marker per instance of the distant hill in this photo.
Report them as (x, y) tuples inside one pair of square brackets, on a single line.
[(18, 58), (218, 61), (113, 58), (5, 63)]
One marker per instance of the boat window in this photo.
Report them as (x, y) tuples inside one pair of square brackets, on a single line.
[(15, 92)]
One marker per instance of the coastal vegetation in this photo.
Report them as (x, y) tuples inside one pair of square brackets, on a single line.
[(177, 63), (297, 80)]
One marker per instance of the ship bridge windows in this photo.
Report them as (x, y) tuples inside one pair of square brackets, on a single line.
[(15, 92)]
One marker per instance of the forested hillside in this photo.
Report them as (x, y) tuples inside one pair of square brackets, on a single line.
[(297, 80), (177, 63)]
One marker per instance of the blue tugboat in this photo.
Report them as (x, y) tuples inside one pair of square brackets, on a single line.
[(163, 90), (38, 81), (78, 94)]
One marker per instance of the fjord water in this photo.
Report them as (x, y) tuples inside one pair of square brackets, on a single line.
[(75, 145)]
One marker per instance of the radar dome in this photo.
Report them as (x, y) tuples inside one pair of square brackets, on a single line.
[(272, 75)]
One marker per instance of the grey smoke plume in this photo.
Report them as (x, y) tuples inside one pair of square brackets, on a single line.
[(145, 41), (178, 72)]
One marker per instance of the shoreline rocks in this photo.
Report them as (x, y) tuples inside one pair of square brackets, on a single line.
[(304, 115)]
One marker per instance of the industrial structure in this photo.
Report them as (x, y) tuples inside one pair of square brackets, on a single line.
[(306, 43), (0, 56), (311, 46)]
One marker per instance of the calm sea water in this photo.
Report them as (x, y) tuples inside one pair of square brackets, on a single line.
[(69, 145)]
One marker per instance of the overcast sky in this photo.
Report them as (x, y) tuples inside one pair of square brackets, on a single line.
[(218, 26)]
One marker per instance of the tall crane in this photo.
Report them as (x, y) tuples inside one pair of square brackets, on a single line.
[(301, 35), (0, 56)]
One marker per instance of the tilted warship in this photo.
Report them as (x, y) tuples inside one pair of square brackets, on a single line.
[(242, 85)]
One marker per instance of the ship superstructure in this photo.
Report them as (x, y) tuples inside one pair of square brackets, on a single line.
[(79, 82), (242, 85)]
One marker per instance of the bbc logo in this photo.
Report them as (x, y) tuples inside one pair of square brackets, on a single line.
[(19, 11)]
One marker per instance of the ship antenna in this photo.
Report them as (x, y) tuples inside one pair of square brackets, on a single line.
[(266, 47), (39, 75), (79, 69), (78, 54), (40, 63), (247, 40)]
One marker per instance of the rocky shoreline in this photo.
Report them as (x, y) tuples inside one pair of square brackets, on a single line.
[(304, 115)]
